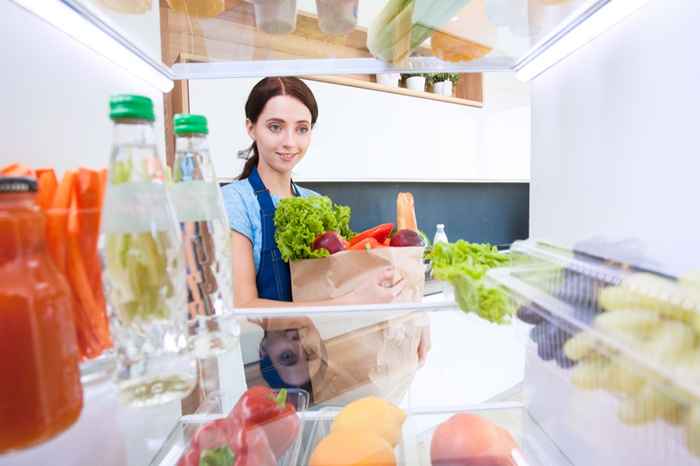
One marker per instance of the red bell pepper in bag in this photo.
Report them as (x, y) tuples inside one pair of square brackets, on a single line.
[(367, 244), (259, 407), (380, 233), (225, 442)]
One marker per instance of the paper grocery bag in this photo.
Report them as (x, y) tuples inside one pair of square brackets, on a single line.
[(374, 353), (340, 273)]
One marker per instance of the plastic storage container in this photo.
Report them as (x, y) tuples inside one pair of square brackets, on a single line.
[(216, 407), (613, 361), (276, 16), (337, 17)]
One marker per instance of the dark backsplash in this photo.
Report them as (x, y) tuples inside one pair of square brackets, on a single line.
[(496, 213)]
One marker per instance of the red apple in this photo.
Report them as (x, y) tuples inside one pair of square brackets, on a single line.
[(406, 238), (330, 241)]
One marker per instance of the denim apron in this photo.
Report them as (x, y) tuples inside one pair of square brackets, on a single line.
[(273, 279)]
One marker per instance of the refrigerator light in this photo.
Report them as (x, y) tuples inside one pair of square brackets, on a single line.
[(65, 18), (600, 21)]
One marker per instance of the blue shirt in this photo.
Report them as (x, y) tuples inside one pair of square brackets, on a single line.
[(244, 212)]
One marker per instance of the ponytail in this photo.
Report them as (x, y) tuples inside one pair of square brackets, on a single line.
[(251, 163)]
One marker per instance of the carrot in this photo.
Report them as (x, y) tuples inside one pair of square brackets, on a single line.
[(102, 175), (48, 185), (17, 169), (89, 203), (57, 221), (93, 325), (73, 225)]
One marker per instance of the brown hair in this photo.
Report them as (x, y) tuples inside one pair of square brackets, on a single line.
[(263, 91)]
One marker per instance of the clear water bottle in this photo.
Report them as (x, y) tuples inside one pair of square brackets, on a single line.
[(143, 264), (199, 207), (440, 235)]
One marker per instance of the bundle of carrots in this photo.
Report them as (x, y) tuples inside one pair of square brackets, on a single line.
[(73, 208)]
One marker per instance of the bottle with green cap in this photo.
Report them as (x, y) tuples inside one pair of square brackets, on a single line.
[(199, 207), (143, 264)]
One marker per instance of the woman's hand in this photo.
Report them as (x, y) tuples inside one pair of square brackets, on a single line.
[(379, 290)]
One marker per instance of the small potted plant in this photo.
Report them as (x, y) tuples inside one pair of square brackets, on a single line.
[(389, 79), (443, 83), (415, 81)]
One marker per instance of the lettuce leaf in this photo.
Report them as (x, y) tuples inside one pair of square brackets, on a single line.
[(464, 265), (299, 220)]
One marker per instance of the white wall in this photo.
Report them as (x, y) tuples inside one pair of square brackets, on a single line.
[(55, 95), (615, 138), (369, 135)]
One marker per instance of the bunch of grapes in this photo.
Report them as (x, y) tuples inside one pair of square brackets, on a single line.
[(551, 333)]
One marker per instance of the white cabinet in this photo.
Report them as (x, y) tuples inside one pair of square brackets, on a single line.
[(429, 140)]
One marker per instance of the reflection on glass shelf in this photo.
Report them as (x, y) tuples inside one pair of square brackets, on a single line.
[(217, 38), (136, 20)]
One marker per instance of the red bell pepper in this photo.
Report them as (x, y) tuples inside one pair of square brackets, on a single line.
[(225, 442), (380, 233), (259, 407), (367, 244)]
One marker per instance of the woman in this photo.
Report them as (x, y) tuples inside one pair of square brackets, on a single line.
[(280, 116)]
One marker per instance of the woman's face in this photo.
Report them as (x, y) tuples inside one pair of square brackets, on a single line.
[(295, 354), (282, 132)]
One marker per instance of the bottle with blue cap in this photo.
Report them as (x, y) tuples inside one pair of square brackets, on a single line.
[(196, 197)]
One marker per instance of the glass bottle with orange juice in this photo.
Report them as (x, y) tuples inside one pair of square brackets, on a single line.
[(40, 392)]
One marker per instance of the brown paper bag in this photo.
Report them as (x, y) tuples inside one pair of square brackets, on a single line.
[(377, 354), (339, 274)]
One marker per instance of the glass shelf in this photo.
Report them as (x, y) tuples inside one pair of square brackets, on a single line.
[(202, 39)]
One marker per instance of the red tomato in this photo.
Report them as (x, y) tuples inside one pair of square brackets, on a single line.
[(470, 440)]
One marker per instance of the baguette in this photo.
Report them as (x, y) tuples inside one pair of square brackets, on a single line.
[(405, 212)]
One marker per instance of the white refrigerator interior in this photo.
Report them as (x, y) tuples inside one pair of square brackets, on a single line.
[(608, 138), (615, 140), (56, 95)]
